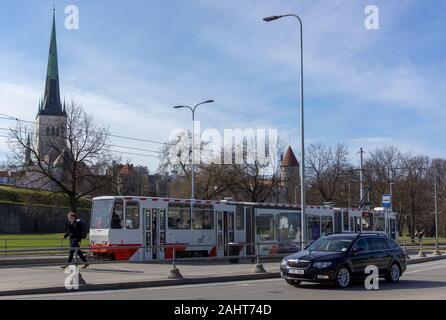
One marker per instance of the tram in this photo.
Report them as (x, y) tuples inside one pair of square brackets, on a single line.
[(205, 228)]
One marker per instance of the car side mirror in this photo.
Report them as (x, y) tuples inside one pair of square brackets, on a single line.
[(357, 250)]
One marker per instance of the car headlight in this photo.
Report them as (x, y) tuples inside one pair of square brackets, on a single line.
[(322, 265), (283, 263)]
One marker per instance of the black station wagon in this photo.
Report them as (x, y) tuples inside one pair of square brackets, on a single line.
[(342, 258)]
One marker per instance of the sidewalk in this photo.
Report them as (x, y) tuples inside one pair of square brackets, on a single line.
[(114, 276)]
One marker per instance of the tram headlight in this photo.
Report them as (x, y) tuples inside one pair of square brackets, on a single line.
[(322, 265)]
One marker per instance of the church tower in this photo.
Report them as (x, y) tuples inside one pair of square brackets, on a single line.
[(51, 117), (289, 177)]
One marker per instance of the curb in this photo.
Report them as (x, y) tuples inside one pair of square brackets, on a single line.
[(427, 259), (17, 262), (142, 284)]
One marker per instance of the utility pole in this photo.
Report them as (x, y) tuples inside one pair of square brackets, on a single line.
[(436, 251), (361, 187)]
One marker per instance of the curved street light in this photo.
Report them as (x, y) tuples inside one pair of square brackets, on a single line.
[(193, 141), (302, 159)]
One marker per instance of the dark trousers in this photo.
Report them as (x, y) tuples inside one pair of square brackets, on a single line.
[(75, 244)]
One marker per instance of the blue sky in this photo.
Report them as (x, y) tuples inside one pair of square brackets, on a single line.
[(130, 61)]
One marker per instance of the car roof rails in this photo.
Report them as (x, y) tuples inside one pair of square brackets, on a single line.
[(382, 234)]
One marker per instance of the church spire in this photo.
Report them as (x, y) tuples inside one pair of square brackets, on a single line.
[(51, 104), (28, 161)]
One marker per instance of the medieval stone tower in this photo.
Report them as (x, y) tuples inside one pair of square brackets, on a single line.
[(289, 176), (51, 119)]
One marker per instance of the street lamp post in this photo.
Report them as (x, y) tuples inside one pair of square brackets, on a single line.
[(193, 142), (302, 159), (391, 207), (436, 251), (391, 195)]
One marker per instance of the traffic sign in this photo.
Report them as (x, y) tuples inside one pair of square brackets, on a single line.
[(386, 200)]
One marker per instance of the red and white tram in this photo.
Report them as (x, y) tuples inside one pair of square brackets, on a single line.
[(216, 228)]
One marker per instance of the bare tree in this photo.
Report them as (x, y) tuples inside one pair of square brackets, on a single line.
[(326, 165), (243, 180), (80, 154)]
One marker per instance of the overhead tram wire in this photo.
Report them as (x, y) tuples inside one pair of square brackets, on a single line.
[(11, 118)]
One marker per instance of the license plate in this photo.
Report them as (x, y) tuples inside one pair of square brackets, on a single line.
[(296, 271)]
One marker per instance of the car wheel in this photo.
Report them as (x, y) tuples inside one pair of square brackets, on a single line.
[(343, 277), (394, 273), (292, 282)]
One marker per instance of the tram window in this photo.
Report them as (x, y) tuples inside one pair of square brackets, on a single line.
[(338, 220), (179, 216), (162, 220), (313, 227), (265, 227), (117, 215), (345, 220), (100, 218), (367, 221), (379, 223), (203, 217), (289, 226), (326, 225), (239, 218), (132, 215)]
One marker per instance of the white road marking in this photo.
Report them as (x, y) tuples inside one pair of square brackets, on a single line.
[(417, 265), (427, 269)]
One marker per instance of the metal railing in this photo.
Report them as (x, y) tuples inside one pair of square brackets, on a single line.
[(63, 248), (226, 250), (7, 243)]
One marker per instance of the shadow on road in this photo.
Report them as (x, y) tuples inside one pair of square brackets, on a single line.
[(112, 270), (383, 286)]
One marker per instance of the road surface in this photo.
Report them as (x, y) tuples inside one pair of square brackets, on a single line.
[(421, 281)]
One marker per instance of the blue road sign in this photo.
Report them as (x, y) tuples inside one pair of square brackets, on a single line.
[(386, 200)]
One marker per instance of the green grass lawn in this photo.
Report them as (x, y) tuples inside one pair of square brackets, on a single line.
[(34, 241), (26, 196)]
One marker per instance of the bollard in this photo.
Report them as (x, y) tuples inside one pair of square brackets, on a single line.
[(258, 268), (437, 248), (174, 273), (421, 253), (6, 248), (80, 278), (405, 250)]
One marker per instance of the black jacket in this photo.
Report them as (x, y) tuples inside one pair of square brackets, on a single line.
[(74, 231)]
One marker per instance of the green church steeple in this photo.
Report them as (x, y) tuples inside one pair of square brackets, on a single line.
[(51, 104)]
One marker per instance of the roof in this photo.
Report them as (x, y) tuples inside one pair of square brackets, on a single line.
[(4, 174), (126, 169), (289, 159)]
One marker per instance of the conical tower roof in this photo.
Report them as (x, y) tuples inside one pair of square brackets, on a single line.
[(289, 159)]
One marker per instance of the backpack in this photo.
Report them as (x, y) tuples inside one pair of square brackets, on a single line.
[(84, 228)]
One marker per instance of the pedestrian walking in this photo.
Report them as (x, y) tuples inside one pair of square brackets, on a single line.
[(76, 233)]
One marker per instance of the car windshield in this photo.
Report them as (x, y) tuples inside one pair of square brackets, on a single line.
[(337, 244)]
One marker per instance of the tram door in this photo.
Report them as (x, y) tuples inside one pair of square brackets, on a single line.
[(155, 233), (355, 222), (225, 231)]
